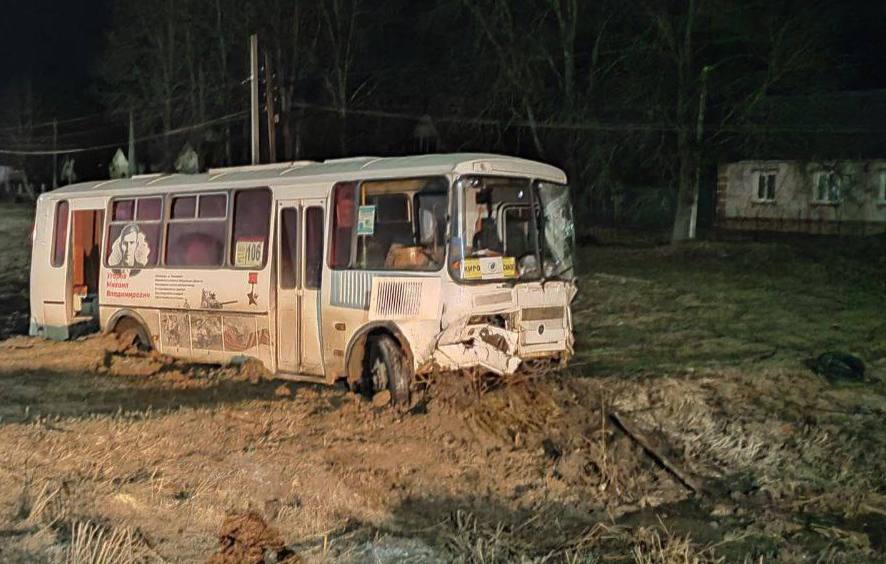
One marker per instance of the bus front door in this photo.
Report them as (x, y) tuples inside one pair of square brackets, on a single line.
[(299, 279)]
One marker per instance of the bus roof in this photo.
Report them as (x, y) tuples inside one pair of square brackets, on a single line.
[(304, 172)]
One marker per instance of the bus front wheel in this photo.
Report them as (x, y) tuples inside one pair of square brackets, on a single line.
[(387, 369), (131, 331)]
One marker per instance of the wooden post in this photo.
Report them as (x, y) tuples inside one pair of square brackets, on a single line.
[(269, 109), (253, 84)]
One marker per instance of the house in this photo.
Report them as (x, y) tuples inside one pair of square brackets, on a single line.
[(837, 197)]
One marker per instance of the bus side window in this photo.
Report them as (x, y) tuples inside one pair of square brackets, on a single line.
[(195, 233), (60, 235), (134, 232), (288, 248), (313, 247), (343, 220), (249, 237)]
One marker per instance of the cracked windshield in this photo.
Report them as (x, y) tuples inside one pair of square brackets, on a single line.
[(497, 230)]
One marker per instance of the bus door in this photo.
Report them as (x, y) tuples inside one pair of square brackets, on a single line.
[(87, 218), (299, 279)]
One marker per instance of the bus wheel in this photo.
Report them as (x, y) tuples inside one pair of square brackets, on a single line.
[(129, 330), (387, 369)]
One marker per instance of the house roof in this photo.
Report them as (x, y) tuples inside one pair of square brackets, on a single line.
[(303, 172)]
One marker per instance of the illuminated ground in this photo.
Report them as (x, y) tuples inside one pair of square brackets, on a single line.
[(700, 348)]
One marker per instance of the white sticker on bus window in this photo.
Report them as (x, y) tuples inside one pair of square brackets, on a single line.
[(248, 253), (366, 220)]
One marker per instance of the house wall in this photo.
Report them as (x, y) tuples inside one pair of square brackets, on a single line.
[(861, 209)]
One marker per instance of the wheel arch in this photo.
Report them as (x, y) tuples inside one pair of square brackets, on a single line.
[(124, 314), (356, 350)]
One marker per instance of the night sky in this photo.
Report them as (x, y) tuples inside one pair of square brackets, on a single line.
[(58, 44)]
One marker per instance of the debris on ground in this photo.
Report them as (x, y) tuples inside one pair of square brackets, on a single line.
[(381, 399), (252, 370), (245, 538), (837, 366)]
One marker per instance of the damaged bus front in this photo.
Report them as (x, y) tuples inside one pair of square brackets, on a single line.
[(511, 261)]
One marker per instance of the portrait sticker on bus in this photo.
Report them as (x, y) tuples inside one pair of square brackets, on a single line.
[(248, 253), (366, 220)]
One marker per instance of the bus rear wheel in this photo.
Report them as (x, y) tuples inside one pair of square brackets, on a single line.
[(387, 369)]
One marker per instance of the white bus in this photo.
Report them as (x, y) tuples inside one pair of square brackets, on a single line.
[(367, 269)]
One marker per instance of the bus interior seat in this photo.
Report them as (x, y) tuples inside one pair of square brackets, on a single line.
[(386, 236)]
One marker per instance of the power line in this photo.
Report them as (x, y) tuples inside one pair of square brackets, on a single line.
[(110, 113), (476, 121), (586, 126), (70, 151)]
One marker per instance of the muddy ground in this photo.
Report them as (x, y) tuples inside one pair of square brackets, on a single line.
[(108, 453)]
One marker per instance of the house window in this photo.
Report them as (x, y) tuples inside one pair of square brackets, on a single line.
[(134, 232), (765, 186), (827, 188)]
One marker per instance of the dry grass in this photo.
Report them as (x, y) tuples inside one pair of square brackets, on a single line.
[(49, 507), (94, 544), (660, 546), (475, 542)]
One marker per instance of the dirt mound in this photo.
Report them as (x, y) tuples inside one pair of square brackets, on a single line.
[(253, 370), (564, 425), (245, 538)]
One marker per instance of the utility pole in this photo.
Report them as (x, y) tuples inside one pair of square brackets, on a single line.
[(269, 108), (133, 169), (54, 154), (253, 87)]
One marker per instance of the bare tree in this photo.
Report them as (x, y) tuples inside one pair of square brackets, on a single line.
[(716, 62), (340, 22)]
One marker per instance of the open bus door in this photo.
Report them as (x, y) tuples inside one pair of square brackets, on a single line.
[(83, 275), (299, 279), (69, 288)]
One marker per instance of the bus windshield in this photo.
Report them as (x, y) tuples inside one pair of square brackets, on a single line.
[(496, 232), (558, 241)]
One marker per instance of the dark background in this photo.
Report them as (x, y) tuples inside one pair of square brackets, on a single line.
[(623, 137)]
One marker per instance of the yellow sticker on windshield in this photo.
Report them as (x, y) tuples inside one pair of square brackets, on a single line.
[(489, 268), (471, 269), (509, 267)]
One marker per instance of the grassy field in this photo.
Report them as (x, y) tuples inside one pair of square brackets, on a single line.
[(15, 224), (701, 348)]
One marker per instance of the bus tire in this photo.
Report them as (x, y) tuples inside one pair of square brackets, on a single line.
[(387, 369), (129, 330)]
